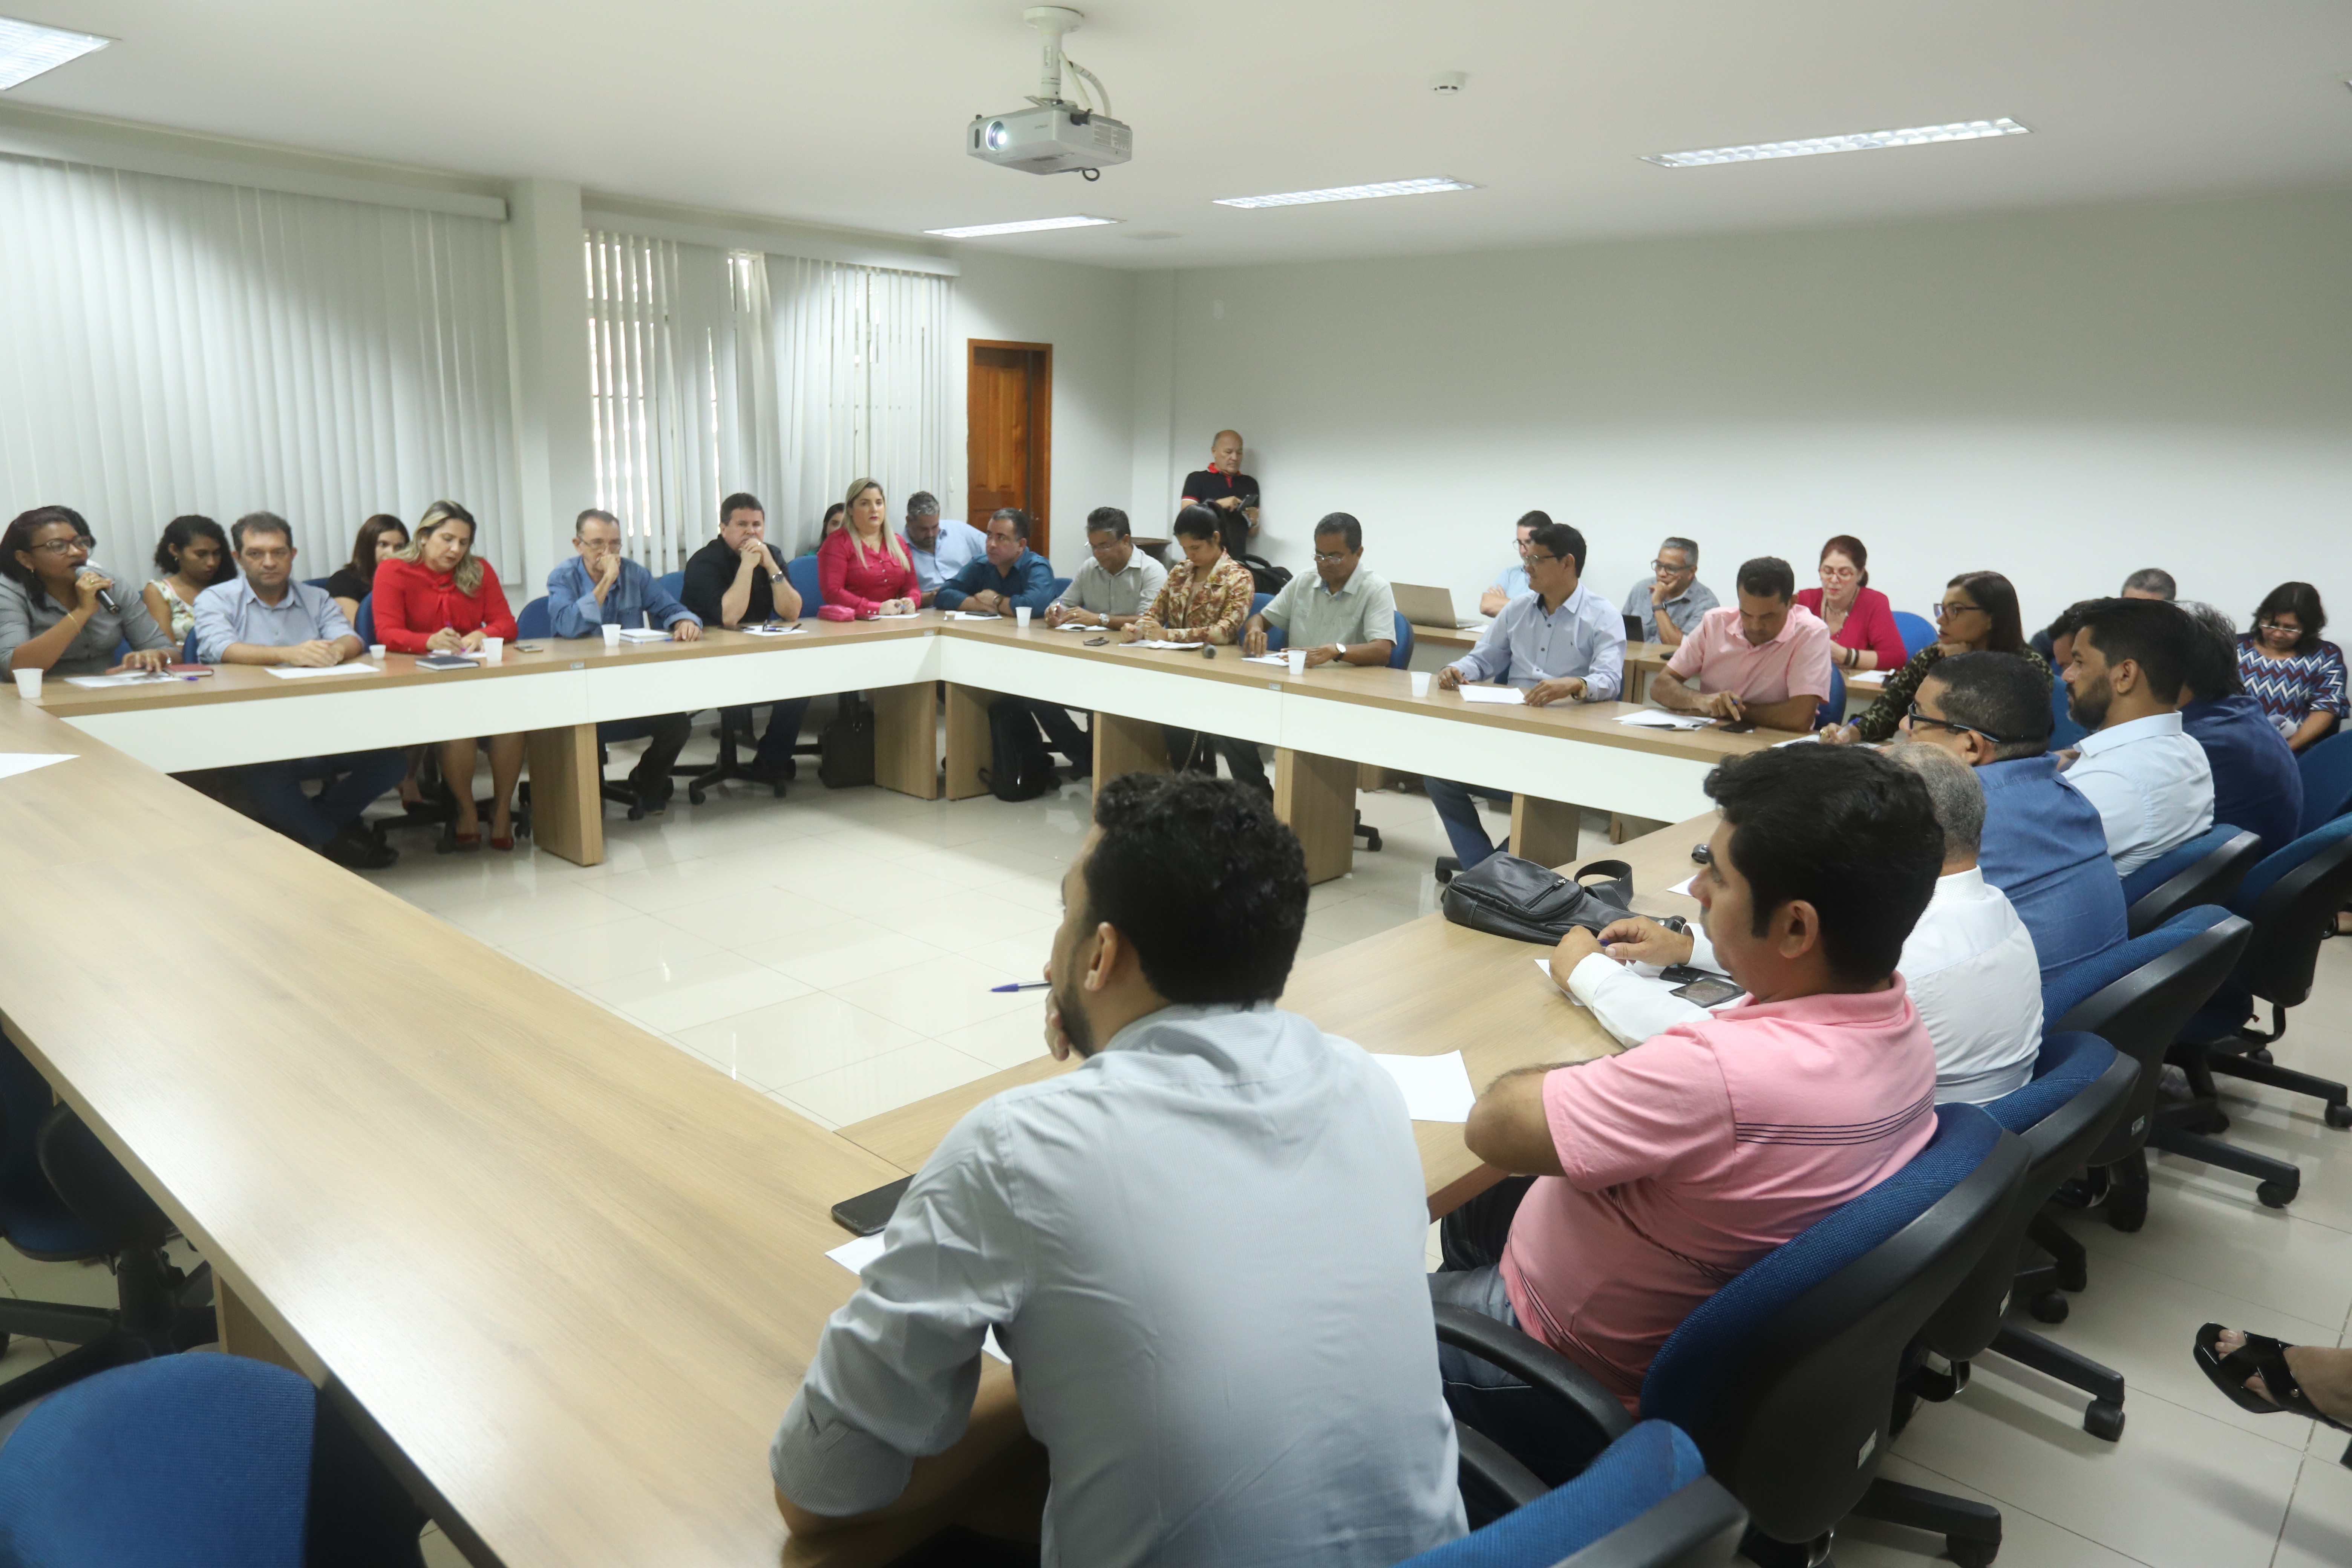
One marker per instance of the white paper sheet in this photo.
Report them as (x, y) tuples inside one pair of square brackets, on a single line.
[(14, 763), (1436, 1089), (765, 631), (1510, 694), (1812, 740), (1079, 626), (1164, 642), (911, 615), (132, 678), (297, 672), (855, 1255), (1267, 658), (1658, 718), (1684, 885)]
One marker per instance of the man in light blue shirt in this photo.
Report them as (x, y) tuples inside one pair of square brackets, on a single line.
[(601, 587), (2151, 783), (1513, 584), (1563, 643), (1010, 577), (941, 546), (266, 617), (1226, 1349)]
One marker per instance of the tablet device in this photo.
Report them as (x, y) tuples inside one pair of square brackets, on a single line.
[(1706, 992)]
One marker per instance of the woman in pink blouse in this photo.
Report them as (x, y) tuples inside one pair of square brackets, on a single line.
[(863, 564), (1861, 621)]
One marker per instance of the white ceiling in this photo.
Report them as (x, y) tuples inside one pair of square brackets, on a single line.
[(852, 114)]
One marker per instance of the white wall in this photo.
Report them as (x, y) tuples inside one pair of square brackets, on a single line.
[(2063, 396), (1087, 314)]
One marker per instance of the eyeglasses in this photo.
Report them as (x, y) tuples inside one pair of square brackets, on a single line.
[(1329, 557), (1945, 612), (268, 557), (1839, 573), (2277, 626), (1537, 558), (60, 546), (1915, 719), (1667, 569)]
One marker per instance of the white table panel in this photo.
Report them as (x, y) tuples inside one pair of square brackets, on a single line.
[(1116, 683), (632, 688)]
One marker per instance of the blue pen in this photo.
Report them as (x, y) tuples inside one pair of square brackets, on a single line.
[(1025, 985)]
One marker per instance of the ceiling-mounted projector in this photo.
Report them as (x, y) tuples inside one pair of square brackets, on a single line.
[(1055, 136)]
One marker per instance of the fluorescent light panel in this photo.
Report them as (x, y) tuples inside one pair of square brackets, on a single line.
[(27, 48), (1860, 141), (1347, 193), (1026, 225)]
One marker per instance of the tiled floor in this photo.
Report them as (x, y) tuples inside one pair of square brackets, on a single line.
[(835, 950)]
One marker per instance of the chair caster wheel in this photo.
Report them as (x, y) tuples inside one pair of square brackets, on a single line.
[(694, 795), (2261, 1054), (2073, 1276), (1971, 1553), (2104, 1420), (2277, 1194), (1372, 842), (2339, 1116), (2050, 1306), (2128, 1215)]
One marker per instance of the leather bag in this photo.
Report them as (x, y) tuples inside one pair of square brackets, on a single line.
[(1505, 896)]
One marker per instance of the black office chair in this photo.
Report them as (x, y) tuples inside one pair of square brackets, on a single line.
[(2292, 898), (2205, 870), (1786, 1377), (2080, 1088), (63, 1197)]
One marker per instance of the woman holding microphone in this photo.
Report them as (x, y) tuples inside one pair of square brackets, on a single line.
[(61, 614)]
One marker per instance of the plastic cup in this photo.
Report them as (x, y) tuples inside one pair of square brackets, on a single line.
[(1020, 616), (612, 630), (493, 649), (1420, 678), (28, 684), (1298, 658), (376, 650)]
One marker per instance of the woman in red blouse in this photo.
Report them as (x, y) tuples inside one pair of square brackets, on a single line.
[(863, 564), (436, 595), (1861, 621)]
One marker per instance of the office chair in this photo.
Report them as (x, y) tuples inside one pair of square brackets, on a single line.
[(2205, 870), (671, 582), (2080, 1088), (2327, 769), (1061, 586), (2292, 898), (363, 624), (1785, 1378), (534, 620), (64, 1198), (199, 1461), (188, 648), (1645, 1502), (2135, 997), (316, 581), (1917, 632), (2064, 733), (1832, 707), (1633, 626)]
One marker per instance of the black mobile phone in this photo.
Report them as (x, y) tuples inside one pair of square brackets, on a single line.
[(1738, 726), (1706, 991), (868, 1213), (527, 647), (1097, 642), (1682, 975)]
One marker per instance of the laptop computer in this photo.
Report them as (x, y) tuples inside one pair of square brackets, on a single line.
[(1429, 607)]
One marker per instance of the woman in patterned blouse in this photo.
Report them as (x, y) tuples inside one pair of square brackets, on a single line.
[(1978, 611), (1205, 599), (2297, 678)]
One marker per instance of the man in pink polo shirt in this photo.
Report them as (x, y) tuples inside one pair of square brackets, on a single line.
[(1766, 662), (1661, 1172)]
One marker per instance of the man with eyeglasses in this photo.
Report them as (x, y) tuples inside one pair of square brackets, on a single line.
[(1669, 601), (2042, 843), (1342, 612), (1563, 643), (1513, 584), (266, 617)]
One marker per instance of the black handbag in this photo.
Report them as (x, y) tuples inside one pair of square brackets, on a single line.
[(1505, 896), (845, 746)]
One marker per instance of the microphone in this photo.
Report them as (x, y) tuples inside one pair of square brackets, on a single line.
[(105, 597)]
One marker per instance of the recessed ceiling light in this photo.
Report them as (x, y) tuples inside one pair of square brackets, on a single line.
[(27, 48), (1859, 141), (1027, 226), (1347, 193)]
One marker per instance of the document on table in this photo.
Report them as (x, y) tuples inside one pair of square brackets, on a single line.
[(1164, 642), (1079, 626), (1436, 1089), (647, 633), (14, 763), (1267, 658), (783, 630), (1659, 719), (1812, 740), (1684, 885), (973, 615), (855, 1255), (297, 672), (134, 678), (1510, 694)]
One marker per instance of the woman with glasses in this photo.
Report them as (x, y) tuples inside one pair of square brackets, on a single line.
[(54, 609), (1861, 621), (1979, 612), (192, 556), (2296, 677)]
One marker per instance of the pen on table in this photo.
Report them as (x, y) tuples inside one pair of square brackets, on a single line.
[(1023, 986)]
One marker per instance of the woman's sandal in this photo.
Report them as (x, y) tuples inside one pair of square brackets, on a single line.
[(2266, 1356)]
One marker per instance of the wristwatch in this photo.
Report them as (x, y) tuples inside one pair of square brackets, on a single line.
[(1343, 650)]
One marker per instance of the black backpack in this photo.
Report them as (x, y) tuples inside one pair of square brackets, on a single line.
[(1020, 765), (1269, 578), (1505, 896), (845, 746)]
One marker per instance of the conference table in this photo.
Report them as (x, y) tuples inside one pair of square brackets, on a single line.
[(563, 1277)]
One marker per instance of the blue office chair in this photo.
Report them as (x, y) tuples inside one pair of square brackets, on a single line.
[(188, 648), (672, 583), (1061, 586), (2063, 731), (2205, 870), (1401, 656), (534, 620), (802, 571), (363, 624), (201, 1461), (316, 581), (1917, 632), (2327, 769), (1832, 707), (1646, 1502)]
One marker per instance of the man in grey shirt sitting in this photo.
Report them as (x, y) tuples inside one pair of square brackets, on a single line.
[(1669, 601), (1202, 1249), (1116, 584)]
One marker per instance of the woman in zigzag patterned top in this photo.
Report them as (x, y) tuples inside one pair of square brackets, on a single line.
[(2297, 678)]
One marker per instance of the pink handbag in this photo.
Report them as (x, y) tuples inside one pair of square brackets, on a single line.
[(836, 613)]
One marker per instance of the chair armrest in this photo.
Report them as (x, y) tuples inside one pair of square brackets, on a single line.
[(1489, 1474), (1698, 1527), (1541, 1367)]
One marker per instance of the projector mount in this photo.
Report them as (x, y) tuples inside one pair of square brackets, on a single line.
[(1057, 22)]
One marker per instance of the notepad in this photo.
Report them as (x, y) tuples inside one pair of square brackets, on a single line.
[(1267, 658), (855, 1255), (972, 616), (1494, 694), (450, 661), (132, 678), (298, 672), (1436, 1089), (1659, 719), (1078, 627), (14, 763), (647, 633)]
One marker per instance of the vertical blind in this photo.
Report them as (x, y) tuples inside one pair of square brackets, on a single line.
[(713, 371), (171, 345)]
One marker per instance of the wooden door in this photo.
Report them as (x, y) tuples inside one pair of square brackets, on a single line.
[(1009, 416)]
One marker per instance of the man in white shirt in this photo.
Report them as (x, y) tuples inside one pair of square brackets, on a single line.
[(1969, 962), (2151, 783), (1203, 1248), (939, 547)]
